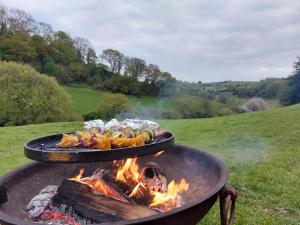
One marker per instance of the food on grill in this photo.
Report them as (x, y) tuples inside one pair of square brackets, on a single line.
[(115, 125), (113, 134)]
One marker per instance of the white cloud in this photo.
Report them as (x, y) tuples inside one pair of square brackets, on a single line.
[(193, 39)]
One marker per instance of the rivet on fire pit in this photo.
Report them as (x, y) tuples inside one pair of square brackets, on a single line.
[(3, 195)]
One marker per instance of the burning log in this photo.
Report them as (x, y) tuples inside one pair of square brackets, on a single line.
[(97, 207), (102, 181), (153, 178)]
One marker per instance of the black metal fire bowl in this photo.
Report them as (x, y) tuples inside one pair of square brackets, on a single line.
[(206, 174)]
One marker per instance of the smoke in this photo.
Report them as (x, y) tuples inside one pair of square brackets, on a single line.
[(238, 151), (157, 108)]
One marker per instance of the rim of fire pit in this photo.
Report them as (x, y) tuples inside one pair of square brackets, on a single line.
[(44, 149)]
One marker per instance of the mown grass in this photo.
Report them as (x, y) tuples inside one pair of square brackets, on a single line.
[(262, 151), (85, 100)]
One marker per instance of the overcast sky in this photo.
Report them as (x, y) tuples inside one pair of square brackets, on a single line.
[(206, 40)]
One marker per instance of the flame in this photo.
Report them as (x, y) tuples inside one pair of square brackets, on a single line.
[(129, 172), (136, 189), (168, 199), (98, 185), (158, 153), (78, 177)]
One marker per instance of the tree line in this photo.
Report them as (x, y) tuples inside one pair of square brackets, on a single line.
[(74, 60)]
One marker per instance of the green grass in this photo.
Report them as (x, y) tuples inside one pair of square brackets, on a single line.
[(262, 151), (85, 100)]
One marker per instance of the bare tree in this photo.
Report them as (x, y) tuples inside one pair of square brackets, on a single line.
[(43, 29), (114, 58), (3, 20), (82, 45), (20, 21), (152, 73), (135, 67)]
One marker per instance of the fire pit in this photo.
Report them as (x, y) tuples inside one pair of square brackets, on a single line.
[(206, 175)]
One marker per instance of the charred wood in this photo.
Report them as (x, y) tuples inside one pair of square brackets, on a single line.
[(97, 207)]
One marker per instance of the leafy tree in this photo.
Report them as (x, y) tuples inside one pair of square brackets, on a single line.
[(78, 72), (61, 49), (110, 106), (152, 73), (38, 43), (135, 67), (30, 97), (114, 58), (167, 85), (50, 68), (292, 94), (91, 56), (17, 48), (122, 84)]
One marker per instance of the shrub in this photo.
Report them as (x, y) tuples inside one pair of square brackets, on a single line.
[(225, 111), (171, 114), (27, 96), (292, 94), (254, 104), (110, 106)]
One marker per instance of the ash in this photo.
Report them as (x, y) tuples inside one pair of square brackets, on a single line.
[(42, 210)]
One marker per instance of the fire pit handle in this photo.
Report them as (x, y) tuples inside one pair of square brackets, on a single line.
[(227, 195), (3, 195)]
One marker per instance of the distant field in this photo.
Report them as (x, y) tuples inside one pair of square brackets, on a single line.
[(262, 151), (86, 100)]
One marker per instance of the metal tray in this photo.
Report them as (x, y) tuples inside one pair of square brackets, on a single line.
[(45, 149)]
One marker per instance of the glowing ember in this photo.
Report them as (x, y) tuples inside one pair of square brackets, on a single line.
[(168, 200), (60, 217), (158, 153)]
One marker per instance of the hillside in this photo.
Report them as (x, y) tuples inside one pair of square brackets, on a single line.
[(262, 151), (86, 100)]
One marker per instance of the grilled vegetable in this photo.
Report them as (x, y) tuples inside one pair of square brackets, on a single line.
[(147, 136), (68, 141), (108, 139)]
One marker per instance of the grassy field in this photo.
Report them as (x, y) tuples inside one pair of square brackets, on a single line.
[(87, 100), (262, 151)]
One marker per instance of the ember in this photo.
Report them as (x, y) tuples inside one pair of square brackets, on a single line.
[(57, 218)]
